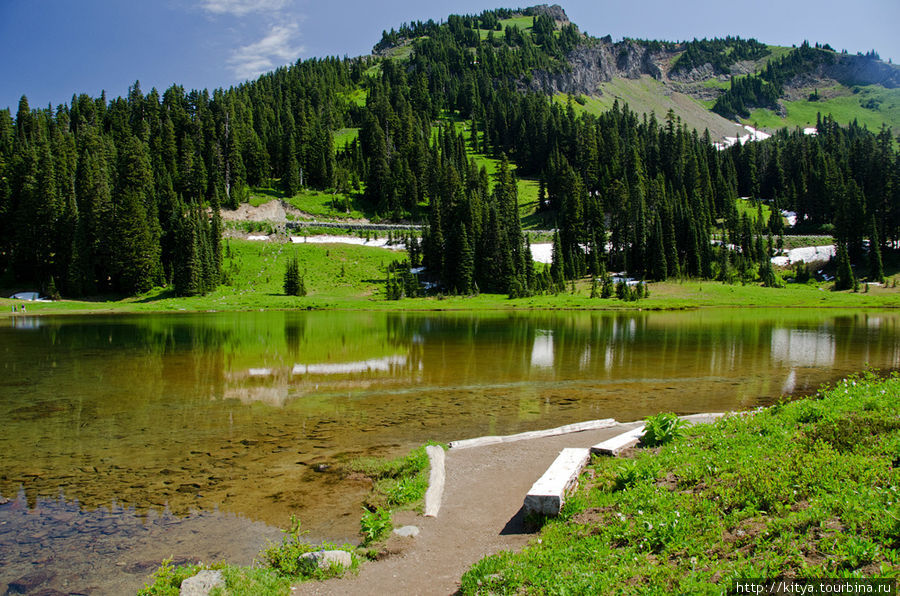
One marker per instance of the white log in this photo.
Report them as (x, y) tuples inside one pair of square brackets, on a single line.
[(435, 492), (548, 494), (535, 434), (619, 443)]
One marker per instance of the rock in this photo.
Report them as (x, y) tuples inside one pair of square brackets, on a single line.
[(407, 531), (202, 583), (30, 582), (323, 559), (555, 12), (595, 64)]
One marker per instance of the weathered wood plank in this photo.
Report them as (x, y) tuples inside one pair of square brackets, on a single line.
[(619, 443), (548, 494), (535, 434), (435, 492)]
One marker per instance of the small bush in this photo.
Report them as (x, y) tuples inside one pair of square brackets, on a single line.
[(284, 557), (661, 428), (375, 525), (166, 581)]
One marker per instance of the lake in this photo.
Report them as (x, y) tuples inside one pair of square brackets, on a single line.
[(129, 439)]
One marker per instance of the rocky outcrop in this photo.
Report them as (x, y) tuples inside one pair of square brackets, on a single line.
[(555, 12), (598, 63), (696, 74), (859, 70)]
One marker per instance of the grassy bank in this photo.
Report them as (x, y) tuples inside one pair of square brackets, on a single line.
[(351, 277), (803, 489)]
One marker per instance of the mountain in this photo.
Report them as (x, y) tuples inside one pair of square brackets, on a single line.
[(690, 77), (479, 127)]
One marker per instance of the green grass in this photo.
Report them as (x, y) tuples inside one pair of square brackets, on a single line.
[(365, 291), (344, 137), (803, 489), (845, 107), (801, 241), (776, 53), (645, 95), (399, 482), (345, 276), (523, 23), (716, 84), (749, 207)]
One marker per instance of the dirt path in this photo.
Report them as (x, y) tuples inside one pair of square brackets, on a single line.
[(480, 515)]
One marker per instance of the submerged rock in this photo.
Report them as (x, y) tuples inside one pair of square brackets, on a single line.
[(30, 582), (203, 583)]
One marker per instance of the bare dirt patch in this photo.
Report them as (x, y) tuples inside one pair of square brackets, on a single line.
[(275, 211)]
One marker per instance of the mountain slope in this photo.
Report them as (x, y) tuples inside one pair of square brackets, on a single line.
[(691, 76)]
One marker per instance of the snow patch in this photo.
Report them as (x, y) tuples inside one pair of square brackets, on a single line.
[(542, 252), (807, 254), (262, 238), (752, 135), (29, 296), (328, 239)]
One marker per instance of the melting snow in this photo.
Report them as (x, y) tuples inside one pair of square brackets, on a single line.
[(752, 135), (807, 254), (328, 239)]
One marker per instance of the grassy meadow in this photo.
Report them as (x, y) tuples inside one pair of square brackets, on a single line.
[(345, 276), (871, 106)]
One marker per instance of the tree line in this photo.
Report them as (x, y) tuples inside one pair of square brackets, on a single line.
[(121, 195)]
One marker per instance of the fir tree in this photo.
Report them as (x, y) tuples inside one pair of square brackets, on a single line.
[(876, 269), (844, 278), (292, 280)]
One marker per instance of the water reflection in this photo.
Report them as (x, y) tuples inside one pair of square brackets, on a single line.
[(795, 347), (234, 412)]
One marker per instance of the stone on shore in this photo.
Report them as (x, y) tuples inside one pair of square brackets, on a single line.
[(203, 583), (323, 559), (407, 531)]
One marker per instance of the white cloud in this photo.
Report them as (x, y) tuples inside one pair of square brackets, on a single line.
[(242, 7), (273, 50)]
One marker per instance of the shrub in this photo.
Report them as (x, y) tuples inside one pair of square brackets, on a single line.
[(661, 428), (375, 525)]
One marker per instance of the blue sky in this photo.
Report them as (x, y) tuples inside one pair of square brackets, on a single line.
[(54, 48)]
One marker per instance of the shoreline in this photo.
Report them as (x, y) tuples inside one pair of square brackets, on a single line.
[(624, 308)]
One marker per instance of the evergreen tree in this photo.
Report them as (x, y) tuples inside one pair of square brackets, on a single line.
[(292, 286), (844, 278), (876, 269)]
